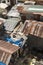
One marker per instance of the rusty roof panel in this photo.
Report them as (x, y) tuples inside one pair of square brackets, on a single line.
[(34, 28)]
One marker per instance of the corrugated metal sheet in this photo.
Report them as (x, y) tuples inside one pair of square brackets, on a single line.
[(33, 27), (6, 51)]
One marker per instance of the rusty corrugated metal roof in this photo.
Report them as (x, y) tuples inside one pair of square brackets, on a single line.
[(33, 27)]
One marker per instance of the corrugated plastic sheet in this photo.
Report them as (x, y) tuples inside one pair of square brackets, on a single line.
[(11, 23)]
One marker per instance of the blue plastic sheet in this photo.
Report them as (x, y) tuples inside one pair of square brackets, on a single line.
[(1, 63), (17, 42)]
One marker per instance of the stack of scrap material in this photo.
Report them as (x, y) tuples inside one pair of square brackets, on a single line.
[(33, 27), (6, 51), (17, 37)]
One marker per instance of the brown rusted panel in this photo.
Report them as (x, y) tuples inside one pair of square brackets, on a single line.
[(38, 29), (6, 51), (4, 57), (33, 27), (8, 47)]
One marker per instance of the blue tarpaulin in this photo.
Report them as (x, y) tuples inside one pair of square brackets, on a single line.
[(1, 63), (17, 42)]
